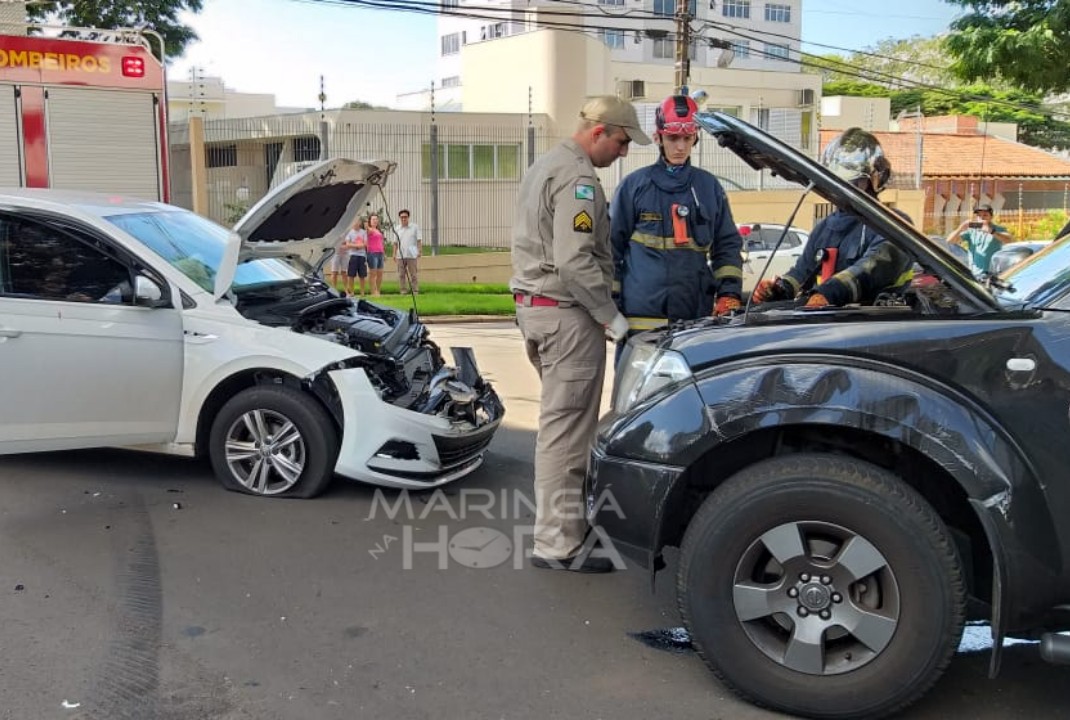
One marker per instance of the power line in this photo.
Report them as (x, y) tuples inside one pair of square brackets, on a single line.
[(515, 15), (845, 68)]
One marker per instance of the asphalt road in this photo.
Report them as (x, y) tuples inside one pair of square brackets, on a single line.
[(133, 586)]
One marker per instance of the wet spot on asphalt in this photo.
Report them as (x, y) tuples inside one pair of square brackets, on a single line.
[(675, 640), (193, 631), (355, 631)]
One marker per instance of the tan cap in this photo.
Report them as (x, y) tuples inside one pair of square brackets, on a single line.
[(611, 110)]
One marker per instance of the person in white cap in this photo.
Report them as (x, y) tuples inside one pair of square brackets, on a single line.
[(562, 283)]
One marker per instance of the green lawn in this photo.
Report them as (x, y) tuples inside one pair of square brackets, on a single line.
[(451, 299)]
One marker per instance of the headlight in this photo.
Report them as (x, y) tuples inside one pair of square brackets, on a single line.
[(644, 370)]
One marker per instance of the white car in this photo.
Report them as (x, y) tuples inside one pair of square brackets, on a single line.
[(760, 244), (133, 323)]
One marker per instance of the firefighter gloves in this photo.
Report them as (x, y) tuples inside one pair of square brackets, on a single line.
[(726, 305), (817, 300)]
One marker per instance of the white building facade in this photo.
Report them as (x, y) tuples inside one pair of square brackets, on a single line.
[(763, 35)]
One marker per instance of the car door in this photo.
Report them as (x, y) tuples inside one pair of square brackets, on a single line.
[(83, 364)]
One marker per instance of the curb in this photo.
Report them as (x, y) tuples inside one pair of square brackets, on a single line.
[(459, 319)]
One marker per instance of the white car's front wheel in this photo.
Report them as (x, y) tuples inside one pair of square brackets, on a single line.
[(275, 441)]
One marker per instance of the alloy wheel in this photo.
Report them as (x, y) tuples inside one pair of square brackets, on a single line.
[(265, 452), (816, 597)]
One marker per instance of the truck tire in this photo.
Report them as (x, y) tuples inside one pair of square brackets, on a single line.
[(274, 441), (822, 586)]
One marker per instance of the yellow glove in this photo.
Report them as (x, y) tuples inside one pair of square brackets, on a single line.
[(726, 305), (817, 300)]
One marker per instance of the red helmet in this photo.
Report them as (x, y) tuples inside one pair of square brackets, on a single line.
[(676, 116)]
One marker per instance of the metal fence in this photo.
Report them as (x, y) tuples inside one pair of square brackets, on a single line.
[(462, 193), (1023, 224)]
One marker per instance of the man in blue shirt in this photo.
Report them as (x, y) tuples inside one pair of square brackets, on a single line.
[(981, 237)]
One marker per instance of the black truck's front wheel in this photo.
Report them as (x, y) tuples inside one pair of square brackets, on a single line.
[(822, 586)]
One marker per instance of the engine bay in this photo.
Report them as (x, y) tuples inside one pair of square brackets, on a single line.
[(401, 361)]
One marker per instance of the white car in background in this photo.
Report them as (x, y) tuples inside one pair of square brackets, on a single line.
[(132, 323), (760, 244)]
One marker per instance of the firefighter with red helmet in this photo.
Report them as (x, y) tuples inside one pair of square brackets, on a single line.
[(676, 249), (845, 261)]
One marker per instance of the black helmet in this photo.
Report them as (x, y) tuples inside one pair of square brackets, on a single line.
[(855, 155)]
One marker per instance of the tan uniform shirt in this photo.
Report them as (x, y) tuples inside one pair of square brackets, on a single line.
[(561, 244)]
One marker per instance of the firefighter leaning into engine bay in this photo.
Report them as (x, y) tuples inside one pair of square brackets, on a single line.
[(845, 261), (666, 221)]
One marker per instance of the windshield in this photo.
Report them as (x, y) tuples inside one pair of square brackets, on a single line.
[(1041, 278), (194, 246)]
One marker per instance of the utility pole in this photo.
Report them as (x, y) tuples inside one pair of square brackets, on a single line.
[(683, 45)]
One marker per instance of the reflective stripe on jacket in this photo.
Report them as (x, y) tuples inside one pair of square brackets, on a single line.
[(661, 278), (866, 263)]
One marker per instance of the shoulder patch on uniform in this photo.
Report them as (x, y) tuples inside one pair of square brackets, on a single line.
[(582, 222), (649, 217), (584, 192)]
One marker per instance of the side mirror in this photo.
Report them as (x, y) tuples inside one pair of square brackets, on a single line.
[(147, 293)]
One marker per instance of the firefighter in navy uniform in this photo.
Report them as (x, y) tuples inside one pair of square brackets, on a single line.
[(676, 250), (845, 261)]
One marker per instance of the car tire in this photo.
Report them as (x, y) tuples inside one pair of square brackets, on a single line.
[(302, 448), (821, 586)]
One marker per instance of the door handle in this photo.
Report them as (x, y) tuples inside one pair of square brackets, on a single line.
[(1021, 364), (9, 332), (196, 338)]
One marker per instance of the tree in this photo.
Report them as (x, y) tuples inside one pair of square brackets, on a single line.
[(890, 63), (1035, 126), (158, 15), (1025, 43)]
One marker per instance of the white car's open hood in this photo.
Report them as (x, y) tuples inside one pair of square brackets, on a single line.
[(307, 215)]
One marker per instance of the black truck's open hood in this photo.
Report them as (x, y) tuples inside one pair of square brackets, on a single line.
[(762, 151)]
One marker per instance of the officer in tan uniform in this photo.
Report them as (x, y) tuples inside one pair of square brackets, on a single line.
[(562, 280)]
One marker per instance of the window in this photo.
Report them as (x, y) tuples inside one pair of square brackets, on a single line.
[(450, 3), (806, 131), (477, 161), (306, 149), (216, 156), (611, 2), (489, 32), (732, 110), (614, 39), (761, 118), (41, 262), (741, 48), (736, 8), (667, 8), (451, 81), (666, 48), (451, 44), (777, 13), (774, 51)]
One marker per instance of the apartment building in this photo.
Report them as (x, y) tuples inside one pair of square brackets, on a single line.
[(545, 57), (761, 35)]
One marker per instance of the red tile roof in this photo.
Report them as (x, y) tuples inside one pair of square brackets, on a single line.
[(965, 156)]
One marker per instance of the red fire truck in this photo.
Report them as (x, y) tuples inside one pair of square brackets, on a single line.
[(83, 115)]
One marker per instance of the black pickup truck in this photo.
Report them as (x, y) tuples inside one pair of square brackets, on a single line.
[(849, 485)]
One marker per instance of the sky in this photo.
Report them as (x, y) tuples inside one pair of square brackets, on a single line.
[(284, 46)]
